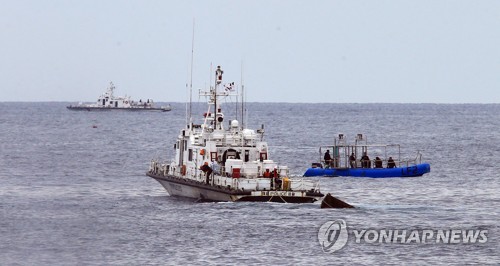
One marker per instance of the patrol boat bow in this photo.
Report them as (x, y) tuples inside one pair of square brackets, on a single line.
[(214, 163)]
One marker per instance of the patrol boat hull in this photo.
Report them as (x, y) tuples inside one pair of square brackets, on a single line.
[(180, 187)]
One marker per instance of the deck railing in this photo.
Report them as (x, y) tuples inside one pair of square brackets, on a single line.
[(399, 163)]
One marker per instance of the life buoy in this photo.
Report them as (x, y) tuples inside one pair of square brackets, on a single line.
[(202, 152), (126, 102)]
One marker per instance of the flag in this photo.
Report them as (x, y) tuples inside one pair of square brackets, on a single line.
[(229, 86)]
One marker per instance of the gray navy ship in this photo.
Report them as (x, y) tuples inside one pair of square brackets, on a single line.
[(107, 102)]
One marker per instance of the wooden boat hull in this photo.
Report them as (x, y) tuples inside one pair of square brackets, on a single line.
[(410, 171), (330, 202)]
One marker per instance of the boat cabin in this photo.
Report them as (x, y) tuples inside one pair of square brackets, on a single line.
[(362, 155)]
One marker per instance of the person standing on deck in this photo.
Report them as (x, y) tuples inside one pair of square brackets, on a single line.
[(327, 158), (352, 160), (207, 170), (267, 174), (365, 161), (391, 163), (215, 167)]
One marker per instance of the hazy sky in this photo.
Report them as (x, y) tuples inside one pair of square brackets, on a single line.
[(291, 51)]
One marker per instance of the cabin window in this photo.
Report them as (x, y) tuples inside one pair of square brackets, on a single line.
[(247, 155), (190, 155), (263, 156), (185, 145), (213, 156), (231, 154)]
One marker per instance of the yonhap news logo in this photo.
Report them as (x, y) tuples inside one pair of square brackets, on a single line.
[(334, 235)]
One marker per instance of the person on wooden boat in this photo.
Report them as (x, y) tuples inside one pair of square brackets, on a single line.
[(328, 159), (391, 163), (378, 162), (207, 170), (365, 161), (352, 160)]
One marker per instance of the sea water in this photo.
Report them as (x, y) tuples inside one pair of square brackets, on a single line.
[(73, 189)]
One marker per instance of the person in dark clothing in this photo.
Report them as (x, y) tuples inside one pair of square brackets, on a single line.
[(391, 163), (207, 170), (274, 173), (352, 160), (365, 161), (378, 162), (328, 159), (277, 183)]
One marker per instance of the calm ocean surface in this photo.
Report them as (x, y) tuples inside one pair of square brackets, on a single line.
[(71, 194)]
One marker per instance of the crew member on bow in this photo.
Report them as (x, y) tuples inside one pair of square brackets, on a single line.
[(207, 170)]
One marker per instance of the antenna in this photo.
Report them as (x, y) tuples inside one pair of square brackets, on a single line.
[(187, 115), (210, 75), (242, 99), (236, 107), (191, 80)]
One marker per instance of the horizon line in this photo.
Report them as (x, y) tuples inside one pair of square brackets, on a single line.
[(177, 102)]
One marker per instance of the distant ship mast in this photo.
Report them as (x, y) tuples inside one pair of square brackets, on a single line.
[(111, 89)]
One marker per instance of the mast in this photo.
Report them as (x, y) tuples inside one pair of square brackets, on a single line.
[(218, 81), (111, 89)]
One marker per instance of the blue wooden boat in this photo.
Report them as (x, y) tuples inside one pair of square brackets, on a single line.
[(345, 160)]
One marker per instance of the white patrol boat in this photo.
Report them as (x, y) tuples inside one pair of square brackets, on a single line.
[(107, 101), (214, 163)]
